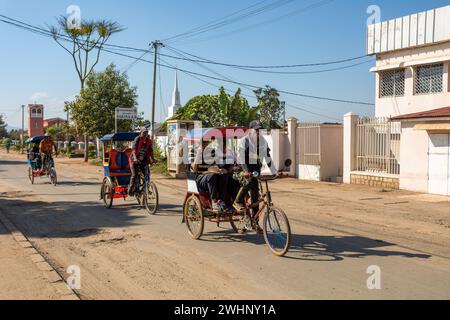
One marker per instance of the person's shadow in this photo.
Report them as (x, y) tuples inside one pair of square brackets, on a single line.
[(321, 248)]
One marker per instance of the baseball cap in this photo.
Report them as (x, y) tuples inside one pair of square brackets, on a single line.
[(144, 129)]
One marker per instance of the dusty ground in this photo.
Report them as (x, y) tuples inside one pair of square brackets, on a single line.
[(19, 276), (339, 230)]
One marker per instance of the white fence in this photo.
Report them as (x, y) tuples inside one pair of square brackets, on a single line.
[(308, 140), (378, 145)]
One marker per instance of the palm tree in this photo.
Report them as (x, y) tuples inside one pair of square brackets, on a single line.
[(84, 44)]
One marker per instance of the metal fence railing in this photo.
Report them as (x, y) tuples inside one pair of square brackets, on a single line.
[(378, 146), (309, 143)]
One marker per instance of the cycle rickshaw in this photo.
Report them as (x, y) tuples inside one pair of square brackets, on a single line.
[(36, 167), (197, 206), (117, 174)]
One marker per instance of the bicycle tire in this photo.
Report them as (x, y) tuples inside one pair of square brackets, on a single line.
[(273, 235)]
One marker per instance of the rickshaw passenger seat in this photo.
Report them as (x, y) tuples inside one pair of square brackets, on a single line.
[(115, 160), (126, 160), (119, 162)]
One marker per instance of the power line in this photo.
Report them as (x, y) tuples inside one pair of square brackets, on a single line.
[(248, 87), (224, 21), (249, 96), (134, 63), (160, 90), (44, 32), (179, 52), (225, 80), (205, 60), (264, 23), (211, 22), (213, 72)]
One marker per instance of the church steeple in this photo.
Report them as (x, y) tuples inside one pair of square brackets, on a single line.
[(176, 101)]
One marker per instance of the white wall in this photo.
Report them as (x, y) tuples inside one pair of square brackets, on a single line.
[(162, 142), (421, 28), (277, 142), (410, 59), (414, 159), (332, 152)]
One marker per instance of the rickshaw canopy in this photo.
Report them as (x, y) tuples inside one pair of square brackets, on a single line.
[(36, 139), (123, 136)]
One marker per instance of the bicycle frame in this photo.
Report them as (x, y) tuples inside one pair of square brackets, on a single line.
[(265, 198), (142, 175), (47, 163)]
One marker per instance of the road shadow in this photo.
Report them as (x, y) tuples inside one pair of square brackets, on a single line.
[(321, 248), (79, 183), (12, 162), (66, 219), (171, 210)]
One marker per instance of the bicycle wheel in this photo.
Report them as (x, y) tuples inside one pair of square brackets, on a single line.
[(107, 193), (193, 213), (277, 231), (53, 177), (151, 198)]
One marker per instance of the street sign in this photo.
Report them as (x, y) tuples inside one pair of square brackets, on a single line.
[(126, 114)]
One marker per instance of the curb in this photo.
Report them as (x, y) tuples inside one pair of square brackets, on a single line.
[(54, 278)]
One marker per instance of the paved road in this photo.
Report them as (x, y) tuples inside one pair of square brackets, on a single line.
[(124, 253)]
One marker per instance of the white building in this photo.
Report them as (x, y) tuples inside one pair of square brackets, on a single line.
[(413, 86), (176, 101)]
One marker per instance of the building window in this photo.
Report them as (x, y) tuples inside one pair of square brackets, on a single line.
[(392, 83), (429, 79)]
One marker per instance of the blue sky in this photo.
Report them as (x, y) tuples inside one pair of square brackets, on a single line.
[(34, 68)]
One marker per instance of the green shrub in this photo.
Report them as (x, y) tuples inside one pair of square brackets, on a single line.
[(67, 152), (92, 152), (18, 147), (161, 161)]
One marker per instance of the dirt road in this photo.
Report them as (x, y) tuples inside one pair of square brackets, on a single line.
[(338, 232)]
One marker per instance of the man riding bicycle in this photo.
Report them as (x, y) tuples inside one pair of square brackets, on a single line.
[(141, 157), (252, 151), (46, 149)]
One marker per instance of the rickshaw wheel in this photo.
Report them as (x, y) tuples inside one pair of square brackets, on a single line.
[(151, 198), (193, 213), (31, 175), (107, 193)]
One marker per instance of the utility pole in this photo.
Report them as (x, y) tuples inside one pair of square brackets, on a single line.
[(283, 105), (23, 129), (155, 44), (67, 112)]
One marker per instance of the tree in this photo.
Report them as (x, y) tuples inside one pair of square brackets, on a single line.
[(3, 125), (271, 111), (94, 110), (142, 122), (234, 110), (218, 110), (200, 108), (84, 41), (56, 132), (14, 134)]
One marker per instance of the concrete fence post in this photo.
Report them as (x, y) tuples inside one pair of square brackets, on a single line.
[(350, 143), (292, 136)]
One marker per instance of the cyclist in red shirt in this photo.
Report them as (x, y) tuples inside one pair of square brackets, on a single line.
[(141, 157)]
